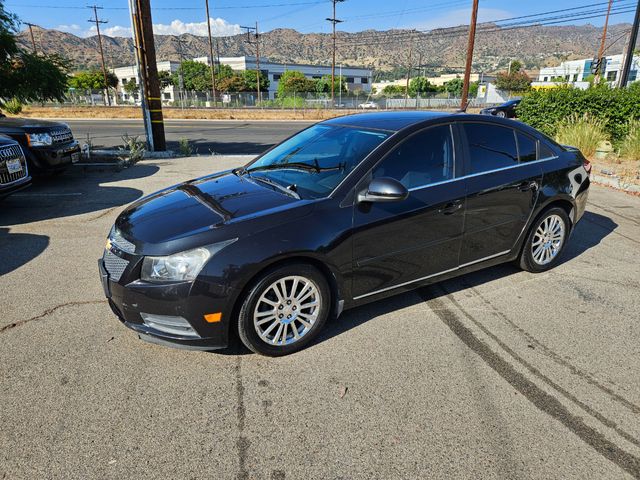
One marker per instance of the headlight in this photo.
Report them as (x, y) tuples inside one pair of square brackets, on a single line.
[(39, 139), (179, 267)]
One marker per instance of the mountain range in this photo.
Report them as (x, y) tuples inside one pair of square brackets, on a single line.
[(437, 50)]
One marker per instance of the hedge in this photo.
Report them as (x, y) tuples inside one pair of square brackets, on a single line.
[(543, 109)]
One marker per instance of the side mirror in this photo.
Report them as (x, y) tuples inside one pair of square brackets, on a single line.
[(384, 189)]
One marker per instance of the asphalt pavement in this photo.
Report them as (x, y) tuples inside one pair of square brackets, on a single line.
[(207, 137), (497, 374)]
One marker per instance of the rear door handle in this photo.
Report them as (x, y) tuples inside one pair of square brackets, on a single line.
[(526, 186), (451, 207)]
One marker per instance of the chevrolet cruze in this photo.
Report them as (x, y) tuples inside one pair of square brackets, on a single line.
[(350, 210)]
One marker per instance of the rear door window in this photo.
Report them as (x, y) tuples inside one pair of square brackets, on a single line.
[(491, 147)]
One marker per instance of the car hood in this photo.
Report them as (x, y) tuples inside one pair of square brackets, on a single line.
[(27, 125), (197, 209)]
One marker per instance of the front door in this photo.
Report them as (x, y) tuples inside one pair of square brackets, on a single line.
[(401, 242), (502, 188)]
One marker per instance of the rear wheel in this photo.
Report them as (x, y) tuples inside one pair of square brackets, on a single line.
[(284, 310), (501, 114), (546, 241)]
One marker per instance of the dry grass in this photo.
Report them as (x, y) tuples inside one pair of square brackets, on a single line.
[(177, 113), (582, 131)]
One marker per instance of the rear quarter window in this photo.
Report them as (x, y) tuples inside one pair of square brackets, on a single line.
[(491, 147)]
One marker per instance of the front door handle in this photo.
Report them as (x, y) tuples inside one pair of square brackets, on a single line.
[(529, 185), (451, 207)]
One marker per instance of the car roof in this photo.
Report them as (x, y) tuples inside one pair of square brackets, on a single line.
[(392, 121)]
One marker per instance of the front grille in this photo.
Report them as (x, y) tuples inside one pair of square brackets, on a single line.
[(114, 265), (11, 152), (62, 135)]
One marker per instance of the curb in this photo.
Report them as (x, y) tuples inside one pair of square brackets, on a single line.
[(615, 182)]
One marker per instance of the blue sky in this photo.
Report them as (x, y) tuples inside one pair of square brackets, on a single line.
[(171, 17)]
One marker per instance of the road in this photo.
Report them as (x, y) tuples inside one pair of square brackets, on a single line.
[(206, 136), (497, 374)]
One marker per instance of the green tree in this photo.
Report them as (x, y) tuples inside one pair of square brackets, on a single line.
[(323, 85), (392, 90), (92, 80), (196, 76), (454, 87), (26, 76), (232, 84), (513, 80), (131, 88), (165, 78), (294, 81), (224, 71), (251, 82), (421, 85)]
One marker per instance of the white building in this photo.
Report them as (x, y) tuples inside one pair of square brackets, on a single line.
[(576, 71), (355, 78)]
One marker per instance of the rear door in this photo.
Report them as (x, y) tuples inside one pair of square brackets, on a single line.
[(501, 182)]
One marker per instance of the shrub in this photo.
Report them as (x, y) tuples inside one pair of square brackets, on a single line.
[(630, 146), (133, 149), (185, 148), (582, 131), (13, 106), (545, 109)]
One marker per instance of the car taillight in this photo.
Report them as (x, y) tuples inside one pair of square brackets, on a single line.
[(587, 166)]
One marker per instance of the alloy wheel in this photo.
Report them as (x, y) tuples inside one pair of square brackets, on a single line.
[(548, 240), (287, 310)]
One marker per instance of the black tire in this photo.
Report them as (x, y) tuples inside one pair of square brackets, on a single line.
[(247, 330), (501, 114), (527, 261)]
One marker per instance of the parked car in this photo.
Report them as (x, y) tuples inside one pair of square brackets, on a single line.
[(506, 110), (49, 146), (370, 105), (14, 172), (348, 211)]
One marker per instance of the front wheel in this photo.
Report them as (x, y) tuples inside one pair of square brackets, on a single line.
[(284, 310), (546, 241)]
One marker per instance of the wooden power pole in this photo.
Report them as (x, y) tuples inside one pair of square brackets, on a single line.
[(631, 46), (97, 21), (602, 43), (333, 21), (470, 45), (33, 39), (213, 63), (152, 103), (257, 44)]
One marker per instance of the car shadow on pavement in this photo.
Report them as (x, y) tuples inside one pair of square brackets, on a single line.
[(589, 232), (203, 146), (73, 193), (17, 249)]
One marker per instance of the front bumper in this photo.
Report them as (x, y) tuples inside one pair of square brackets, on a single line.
[(189, 300), (54, 157), (13, 187)]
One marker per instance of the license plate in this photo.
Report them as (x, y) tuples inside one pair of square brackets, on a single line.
[(75, 157), (14, 166)]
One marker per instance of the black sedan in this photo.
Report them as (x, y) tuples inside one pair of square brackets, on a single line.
[(506, 110), (14, 172), (49, 146), (348, 211)]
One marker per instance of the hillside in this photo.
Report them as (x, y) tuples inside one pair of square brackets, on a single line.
[(382, 50)]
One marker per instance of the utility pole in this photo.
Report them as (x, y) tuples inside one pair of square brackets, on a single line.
[(406, 91), (143, 103), (181, 92), (333, 21), (104, 69), (33, 39), (257, 44), (470, 45), (602, 42), (213, 63), (143, 34), (631, 46)]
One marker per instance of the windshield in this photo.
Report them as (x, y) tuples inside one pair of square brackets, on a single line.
[(313, 162)]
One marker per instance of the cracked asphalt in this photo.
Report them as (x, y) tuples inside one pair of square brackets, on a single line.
[(497, 374)]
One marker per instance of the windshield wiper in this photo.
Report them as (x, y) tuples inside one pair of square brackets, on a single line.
[(298, 166), (268, 181), (240, 171)]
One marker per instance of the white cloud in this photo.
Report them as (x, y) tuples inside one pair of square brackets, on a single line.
[(219, 27), (462, 16)]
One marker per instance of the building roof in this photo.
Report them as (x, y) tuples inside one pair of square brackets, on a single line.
[(393, 121)]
